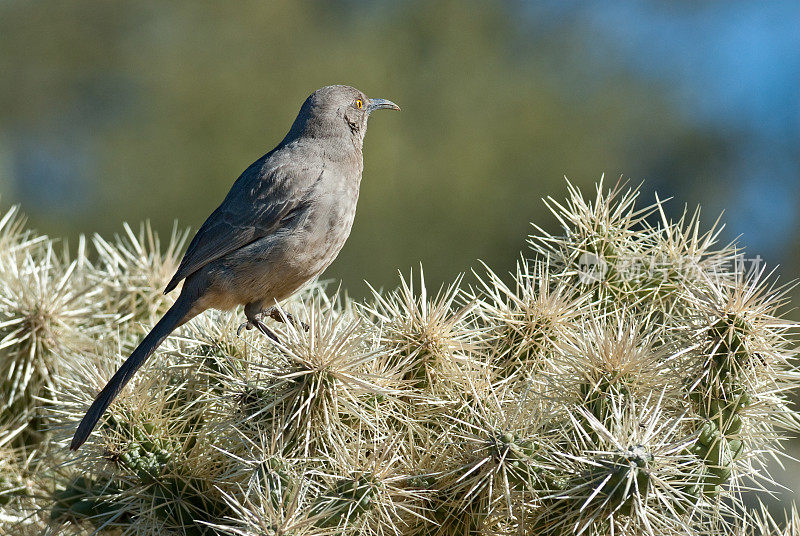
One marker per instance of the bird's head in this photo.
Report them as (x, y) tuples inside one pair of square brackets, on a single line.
[(337, 111)]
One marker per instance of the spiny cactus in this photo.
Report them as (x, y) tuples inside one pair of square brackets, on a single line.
[(132, 272), (632, 376), (45, 321)]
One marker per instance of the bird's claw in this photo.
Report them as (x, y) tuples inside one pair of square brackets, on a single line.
[(283, 316), (256, 323), (275, 314), (247, 325), (264, 329)]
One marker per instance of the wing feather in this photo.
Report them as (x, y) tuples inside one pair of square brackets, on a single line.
[(259, 199)]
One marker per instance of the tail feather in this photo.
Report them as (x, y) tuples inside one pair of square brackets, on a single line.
[(171, 320)]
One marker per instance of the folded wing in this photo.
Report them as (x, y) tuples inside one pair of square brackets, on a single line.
[(259, 199)]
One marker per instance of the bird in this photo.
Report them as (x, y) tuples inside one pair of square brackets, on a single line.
[(283, 222)]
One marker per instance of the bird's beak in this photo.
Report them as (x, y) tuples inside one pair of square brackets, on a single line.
[(377, 104)]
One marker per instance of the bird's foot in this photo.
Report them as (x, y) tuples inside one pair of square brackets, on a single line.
[(282, 316), (250, 324), (275, 314), (263, 329), (247, 325)]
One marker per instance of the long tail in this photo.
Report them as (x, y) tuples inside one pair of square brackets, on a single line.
[(173, 318)]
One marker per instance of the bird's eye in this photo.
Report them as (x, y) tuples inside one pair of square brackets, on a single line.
[(359, 104)]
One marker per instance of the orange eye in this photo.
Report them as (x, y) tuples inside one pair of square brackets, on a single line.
[(359, 104)]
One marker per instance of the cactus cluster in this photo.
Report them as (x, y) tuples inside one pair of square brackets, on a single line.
[(632, 376)]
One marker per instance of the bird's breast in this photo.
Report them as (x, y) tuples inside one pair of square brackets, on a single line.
[(330, 218), (316, 236)]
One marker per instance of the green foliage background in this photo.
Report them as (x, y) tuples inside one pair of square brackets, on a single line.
[(160, 106)]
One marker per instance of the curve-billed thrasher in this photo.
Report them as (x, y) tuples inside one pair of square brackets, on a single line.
[(282, 223)]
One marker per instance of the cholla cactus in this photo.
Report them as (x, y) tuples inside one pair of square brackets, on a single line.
[(132, 272), (764, 524), (631, 377), (45, 318)]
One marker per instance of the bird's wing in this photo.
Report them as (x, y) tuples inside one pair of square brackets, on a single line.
[(259, 199)]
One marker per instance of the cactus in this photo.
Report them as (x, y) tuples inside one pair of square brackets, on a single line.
[(632, 376)]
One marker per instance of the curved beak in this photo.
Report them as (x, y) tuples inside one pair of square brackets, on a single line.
[(377, 104)]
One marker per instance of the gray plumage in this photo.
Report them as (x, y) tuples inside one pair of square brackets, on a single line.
[(283, 222)]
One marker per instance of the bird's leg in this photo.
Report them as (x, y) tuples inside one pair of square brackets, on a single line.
[(277, 314), (254, 320), (264, 329)]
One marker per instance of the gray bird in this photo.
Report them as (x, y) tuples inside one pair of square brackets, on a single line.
[(283, 222)]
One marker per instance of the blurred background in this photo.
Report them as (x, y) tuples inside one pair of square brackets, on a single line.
[(126, 111)]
